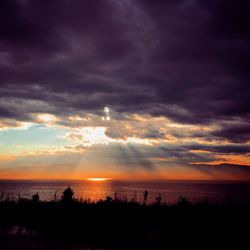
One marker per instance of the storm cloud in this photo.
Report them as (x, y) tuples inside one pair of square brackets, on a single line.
[(184, 60)]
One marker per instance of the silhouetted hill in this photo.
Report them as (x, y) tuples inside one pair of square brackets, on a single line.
[(225, 171)]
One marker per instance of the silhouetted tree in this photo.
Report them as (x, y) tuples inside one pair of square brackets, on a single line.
[(108, 199), (55, 196), (35, 197), (145, 197), (2, 196), (182, 201), (68, 195)]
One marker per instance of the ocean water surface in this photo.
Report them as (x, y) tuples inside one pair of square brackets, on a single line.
[(194, 191)]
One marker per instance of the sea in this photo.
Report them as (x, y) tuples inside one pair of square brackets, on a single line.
[(92, 191)]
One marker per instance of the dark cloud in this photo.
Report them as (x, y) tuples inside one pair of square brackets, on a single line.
[(239, 133), (187, 60), (221, 149), (229, 22)]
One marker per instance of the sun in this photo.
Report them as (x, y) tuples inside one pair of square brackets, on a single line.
[(97, 179)]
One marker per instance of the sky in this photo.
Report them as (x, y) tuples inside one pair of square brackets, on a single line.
[(136, 89)]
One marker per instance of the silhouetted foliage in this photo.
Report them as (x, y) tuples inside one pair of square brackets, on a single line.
[(55, 196), (2, 196), (114, 223), (35, 197), (158, 199), (145, 197), (109, 199), (68, 195), (183, 202)]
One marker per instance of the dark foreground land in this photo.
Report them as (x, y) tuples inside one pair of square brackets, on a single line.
[(114, 224)]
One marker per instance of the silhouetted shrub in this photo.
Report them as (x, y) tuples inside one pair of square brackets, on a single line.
[(183, 202), (68, 195), (145, 197), (109, 199), (35, 197), (158, 199)]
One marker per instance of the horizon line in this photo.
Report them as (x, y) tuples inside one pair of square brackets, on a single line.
[(127, 179)]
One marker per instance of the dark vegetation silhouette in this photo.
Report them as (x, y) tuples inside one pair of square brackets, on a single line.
[(68, 195), (35, 197), (145, 197), (120, 224)]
